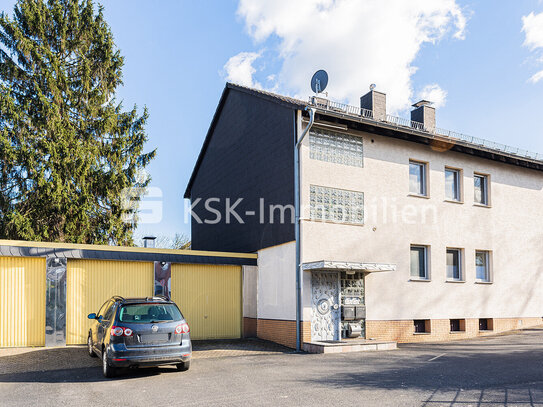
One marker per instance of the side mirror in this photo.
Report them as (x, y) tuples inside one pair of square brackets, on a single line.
[(100, 318), (91, 316)]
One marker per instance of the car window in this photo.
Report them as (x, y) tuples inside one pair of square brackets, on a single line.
[(110, 311), (152, 312), (103, 308)]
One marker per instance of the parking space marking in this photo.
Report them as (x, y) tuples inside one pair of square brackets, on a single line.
[(437, 357)]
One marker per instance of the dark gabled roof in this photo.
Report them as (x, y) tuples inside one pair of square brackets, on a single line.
[(269, 96), (272, 97)]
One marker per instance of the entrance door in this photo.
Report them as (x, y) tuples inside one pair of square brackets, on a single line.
[(325, 317)]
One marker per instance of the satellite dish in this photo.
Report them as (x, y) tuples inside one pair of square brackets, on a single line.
[(373, 86), (319, 81)]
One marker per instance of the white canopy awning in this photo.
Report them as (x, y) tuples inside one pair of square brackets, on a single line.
[(325, 265)]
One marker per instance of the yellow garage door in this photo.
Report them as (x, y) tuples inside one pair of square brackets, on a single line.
[(210, 299), (22, 301), (91, 282)]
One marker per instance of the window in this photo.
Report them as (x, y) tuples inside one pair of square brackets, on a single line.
[(454, 264), (110, 311), (417, 178), (103, 309), (336, 148), (482, 266), (141, 313), (452, 184), (336, 205), (458, 325), (419, 262), (486, 324), (480, 183), (421, 326)]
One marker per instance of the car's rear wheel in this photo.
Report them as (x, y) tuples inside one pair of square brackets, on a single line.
[(107, 369), (89, 346), (183, 366)]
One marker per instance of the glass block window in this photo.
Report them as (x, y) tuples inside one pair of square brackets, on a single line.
[(336, 205), (336, 148)]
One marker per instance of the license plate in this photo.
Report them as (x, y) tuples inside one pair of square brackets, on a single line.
[(154, 338)]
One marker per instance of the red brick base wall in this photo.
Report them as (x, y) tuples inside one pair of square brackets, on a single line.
[(249, 327), (403, 330), (282, 331)]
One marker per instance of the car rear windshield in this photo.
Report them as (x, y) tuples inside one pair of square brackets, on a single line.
[(154, 312)]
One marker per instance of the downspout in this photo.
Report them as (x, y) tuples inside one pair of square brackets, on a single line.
[(297, 221)]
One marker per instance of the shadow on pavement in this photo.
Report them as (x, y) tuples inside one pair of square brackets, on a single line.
[(460, 375), (73, 364)]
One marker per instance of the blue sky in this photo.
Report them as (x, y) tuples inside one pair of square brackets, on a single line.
[(470, 53)]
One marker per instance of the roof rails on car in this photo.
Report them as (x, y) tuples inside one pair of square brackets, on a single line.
[(162, 297)]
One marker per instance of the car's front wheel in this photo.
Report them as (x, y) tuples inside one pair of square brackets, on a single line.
[(89, 346), (183, 366), (107, 369)]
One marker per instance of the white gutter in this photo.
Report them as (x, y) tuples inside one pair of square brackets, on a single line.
[(297, 222)]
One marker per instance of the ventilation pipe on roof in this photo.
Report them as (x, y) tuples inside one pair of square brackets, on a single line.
[(298, 143), (149, 241)]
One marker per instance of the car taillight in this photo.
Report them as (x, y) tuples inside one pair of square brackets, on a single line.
[(182, 329), (120, 331)]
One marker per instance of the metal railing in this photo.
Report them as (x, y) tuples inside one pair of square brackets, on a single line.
[(335, 107), (330, 105)]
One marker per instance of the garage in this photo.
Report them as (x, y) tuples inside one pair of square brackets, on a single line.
[(22, 301), (210, 299), (48, 289), (89, 283)]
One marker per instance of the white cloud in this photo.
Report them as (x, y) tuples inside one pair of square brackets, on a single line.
[(239, 69), (357, 42), (536, 77), (532, 26), (434, 94)]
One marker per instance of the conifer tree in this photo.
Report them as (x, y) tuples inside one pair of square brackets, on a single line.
[(68, 150)]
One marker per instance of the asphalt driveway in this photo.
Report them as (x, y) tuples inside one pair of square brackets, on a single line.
[(493, 371)]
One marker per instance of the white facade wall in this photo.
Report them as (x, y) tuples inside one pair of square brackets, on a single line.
[(277, 282), (512, 228)]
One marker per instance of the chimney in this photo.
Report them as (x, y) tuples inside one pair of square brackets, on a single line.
[(425, 114), (149, 241), (376, 102)]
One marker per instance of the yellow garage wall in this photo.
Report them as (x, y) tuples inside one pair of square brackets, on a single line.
[(22, 301), (210, 299), (91, 282)]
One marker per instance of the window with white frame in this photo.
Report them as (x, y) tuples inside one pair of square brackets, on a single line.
[(454, 265), (452, 184), (336, 205), (419, 262), (417, 178), (480, 184), (482, 266), (336, 147)]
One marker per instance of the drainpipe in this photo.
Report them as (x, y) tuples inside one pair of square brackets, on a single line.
[(297, 221)]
